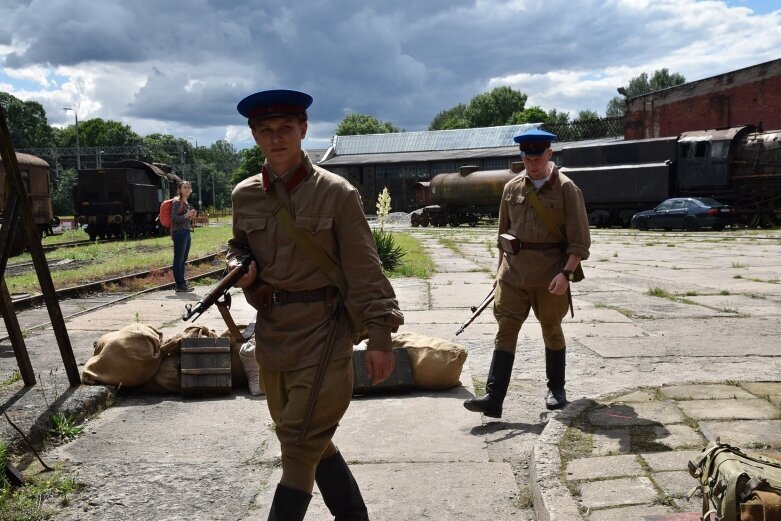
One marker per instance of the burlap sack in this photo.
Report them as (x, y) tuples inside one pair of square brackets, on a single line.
[(167, 379), (127, 357), (238, 376), (251, 367), (436, 362), (174, 344)]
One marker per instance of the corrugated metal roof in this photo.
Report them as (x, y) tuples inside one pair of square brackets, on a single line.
[(430, 140), (418, 157)]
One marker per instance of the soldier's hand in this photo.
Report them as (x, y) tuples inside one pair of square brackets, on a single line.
[(248, 278), (559, 285), (379, 365)]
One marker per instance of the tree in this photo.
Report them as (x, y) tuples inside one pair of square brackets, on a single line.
[(495, 108), (27, 123), (555, 117), (489, 109), (530, 115), (63, 193), (639, 85), (355, 124), (450, 119), (250, 162), (98, 132)]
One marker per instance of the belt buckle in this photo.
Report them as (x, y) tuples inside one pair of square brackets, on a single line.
[(275, 297)]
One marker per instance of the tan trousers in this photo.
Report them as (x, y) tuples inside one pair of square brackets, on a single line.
[(287, 393), (511, 309)]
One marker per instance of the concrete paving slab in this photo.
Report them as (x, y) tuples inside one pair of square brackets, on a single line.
[(638, 413), (646, 512), (407, 427), (743, 433), (415, 491), (635, 396), (672, 460), (616, 492), (603, 467), (654, 346), (704, 392), (733, 409), (740, 304), (607, 442), (605, 330), (762, 389), (678, 436), (676, 483)]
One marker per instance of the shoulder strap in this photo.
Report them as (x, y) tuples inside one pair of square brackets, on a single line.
[(310, 248), (532, 195)]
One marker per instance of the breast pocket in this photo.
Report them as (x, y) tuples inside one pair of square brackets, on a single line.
[(320, 228), (260, 235), (555, 208)]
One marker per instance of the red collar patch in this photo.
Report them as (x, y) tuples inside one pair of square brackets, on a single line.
[(292, 182)]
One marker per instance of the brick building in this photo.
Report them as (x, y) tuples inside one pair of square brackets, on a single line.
[(745, 96)]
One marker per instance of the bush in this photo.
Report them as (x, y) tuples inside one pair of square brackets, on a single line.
[(390, 253)]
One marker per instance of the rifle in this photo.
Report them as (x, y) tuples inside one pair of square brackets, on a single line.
[(476, 310), (219, 295)]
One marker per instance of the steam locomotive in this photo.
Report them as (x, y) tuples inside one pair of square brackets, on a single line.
[(124, 199), (739, 166), (35, 176)]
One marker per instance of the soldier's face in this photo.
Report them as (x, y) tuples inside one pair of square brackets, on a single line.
[(537, 166), (280, 140)]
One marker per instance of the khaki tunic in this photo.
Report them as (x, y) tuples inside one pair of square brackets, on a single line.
[(329, 208), (563, 201)]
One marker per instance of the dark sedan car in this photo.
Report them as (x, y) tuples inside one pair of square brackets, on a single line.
[(690, 213)]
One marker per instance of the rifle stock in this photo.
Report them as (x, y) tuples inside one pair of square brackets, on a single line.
[(220, 290), (477, 310)]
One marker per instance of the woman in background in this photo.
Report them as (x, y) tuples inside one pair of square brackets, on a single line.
[(181, 214)]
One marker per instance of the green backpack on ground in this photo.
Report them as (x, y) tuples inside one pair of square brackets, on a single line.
[(736, 485)]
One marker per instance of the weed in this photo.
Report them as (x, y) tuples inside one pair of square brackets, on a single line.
[(724, 292), (15, 377), (658, 292), (737, 277), (64, 427), (29, 503), (737, 264), (615, 254), (390, 253)]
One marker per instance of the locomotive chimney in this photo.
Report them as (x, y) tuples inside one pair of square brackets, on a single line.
[(516, 167), (468, 169)]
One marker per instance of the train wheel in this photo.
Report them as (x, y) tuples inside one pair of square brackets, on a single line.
[(424, 221), (690, 223), (773, 215), (454, 221), (414, 220)]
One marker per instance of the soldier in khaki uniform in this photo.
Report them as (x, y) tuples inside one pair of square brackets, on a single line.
[(291, 337), (537, 277)]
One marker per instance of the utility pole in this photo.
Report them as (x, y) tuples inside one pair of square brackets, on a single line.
[(78, 152)]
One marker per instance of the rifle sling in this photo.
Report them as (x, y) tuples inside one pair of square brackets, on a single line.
[(532, 195)]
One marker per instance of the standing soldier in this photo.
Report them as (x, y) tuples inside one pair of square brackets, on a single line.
[(536, 276), (301, 304)]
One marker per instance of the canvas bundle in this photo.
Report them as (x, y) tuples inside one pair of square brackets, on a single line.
[(737, 485)]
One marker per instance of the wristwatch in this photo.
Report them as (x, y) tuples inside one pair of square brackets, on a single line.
[(567, 274)]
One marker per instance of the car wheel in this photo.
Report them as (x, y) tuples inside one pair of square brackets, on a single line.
[(690, 223), (642, 224)]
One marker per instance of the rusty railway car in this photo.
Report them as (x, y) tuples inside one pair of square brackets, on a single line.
[(35, 176), (124, 199), (739, 166)]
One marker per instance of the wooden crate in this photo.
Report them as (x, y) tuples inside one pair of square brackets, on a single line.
[(206, 366), (400, 380)]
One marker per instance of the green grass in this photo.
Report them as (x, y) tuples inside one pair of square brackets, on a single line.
[(36, 500), (450, 244), (65, 427), (13, 378), (416, 262), (117, 258)]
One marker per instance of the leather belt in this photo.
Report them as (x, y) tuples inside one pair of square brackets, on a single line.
[(293, 297), (541, 246)]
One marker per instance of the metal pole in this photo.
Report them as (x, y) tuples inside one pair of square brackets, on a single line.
[(78, 148)]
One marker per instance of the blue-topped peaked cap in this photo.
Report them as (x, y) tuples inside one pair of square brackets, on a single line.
[(272, 103), (534, 141)]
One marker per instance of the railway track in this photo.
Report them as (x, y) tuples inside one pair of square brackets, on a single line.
[(28, 302)]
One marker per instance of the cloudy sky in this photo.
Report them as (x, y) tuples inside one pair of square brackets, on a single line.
[(180, 66)]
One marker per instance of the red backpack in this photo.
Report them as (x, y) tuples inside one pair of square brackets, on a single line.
[(165, 213)]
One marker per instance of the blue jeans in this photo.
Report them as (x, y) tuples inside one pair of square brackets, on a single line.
[(181, 251)]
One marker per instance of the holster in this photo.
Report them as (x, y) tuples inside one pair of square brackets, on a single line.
[(509, 244), (260, 296)]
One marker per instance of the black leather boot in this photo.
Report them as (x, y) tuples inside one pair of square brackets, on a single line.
[(340, 490), (490, 403), (555, 370), (289, 504)]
